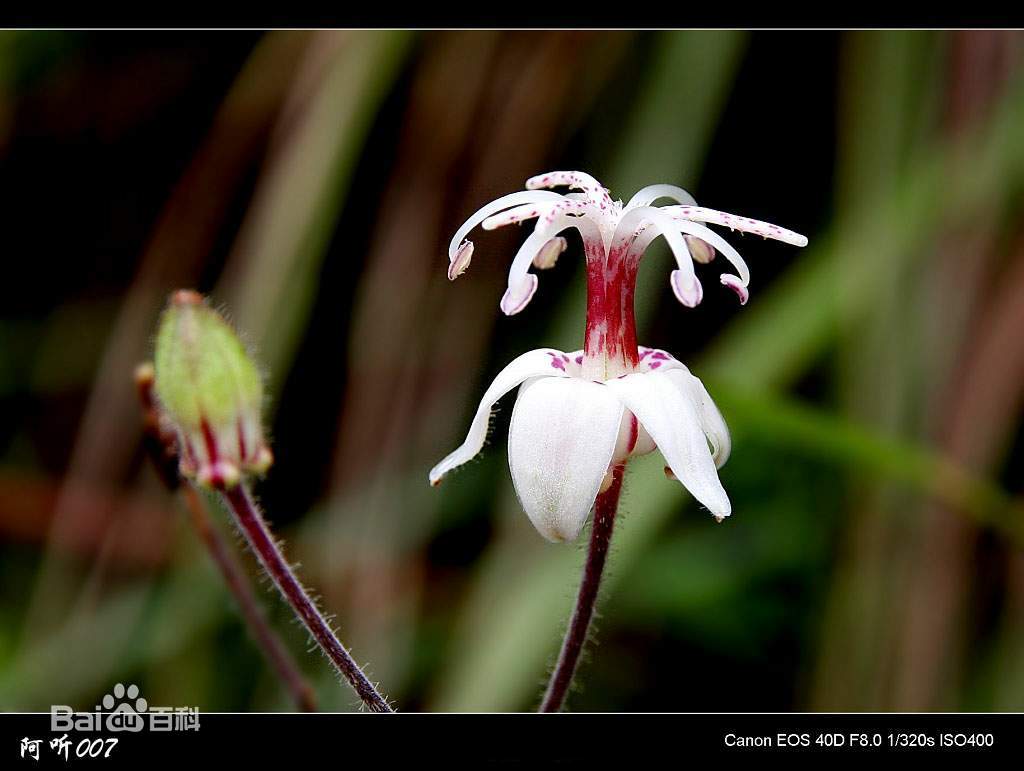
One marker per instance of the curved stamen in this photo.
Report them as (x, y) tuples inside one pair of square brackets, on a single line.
[(645, 196), (514, 216), (522, 283), (719, 243), (644, 239), (684, 281), (743, 224), (505, 202), (546, 211), (576, 180)]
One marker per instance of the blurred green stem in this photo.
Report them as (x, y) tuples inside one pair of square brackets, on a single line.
[(250, 521), (605, 507)]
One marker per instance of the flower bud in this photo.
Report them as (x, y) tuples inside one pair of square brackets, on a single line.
[(210, 391)]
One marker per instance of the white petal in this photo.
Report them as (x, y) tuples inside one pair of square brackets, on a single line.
[(711, 419), (545, 361), (673, 422), (560, 443), (647, 195)]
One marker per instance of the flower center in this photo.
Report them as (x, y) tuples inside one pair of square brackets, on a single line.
[(609, 347)]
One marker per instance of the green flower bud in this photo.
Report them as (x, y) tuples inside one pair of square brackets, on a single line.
[(210, 391)]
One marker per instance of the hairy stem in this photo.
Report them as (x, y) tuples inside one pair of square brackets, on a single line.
[(605, 507), (238, 584), (252, 525)]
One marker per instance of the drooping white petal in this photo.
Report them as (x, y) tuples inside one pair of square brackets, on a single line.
[(711, 419), (560, 443), (645, 196), (545, 361), (684, 281), (505, 202), (673, 421)]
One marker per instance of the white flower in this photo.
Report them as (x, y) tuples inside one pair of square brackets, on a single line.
[(579, 415)]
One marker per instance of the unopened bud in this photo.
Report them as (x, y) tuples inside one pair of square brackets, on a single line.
[(210, 391)]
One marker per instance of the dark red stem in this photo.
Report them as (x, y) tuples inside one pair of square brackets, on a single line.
[(605, 507), (250, 521)]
